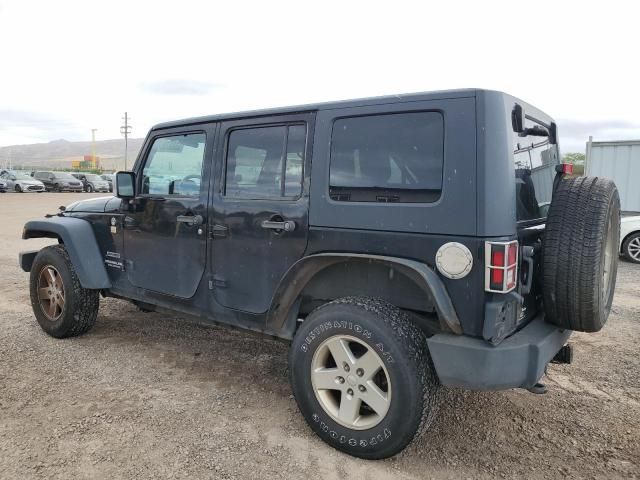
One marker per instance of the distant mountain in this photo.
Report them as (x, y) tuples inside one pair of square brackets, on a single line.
[(60, 153)]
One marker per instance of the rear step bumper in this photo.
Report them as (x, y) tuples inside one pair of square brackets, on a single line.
[(518, 361)]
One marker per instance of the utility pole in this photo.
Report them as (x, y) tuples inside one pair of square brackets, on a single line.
[(93, 146), (125, 130)]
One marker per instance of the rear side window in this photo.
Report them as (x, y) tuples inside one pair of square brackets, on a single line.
[(387, 158), (534, 158), (265, 162)]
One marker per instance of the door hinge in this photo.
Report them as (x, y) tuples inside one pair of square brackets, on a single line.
[(217, 230)]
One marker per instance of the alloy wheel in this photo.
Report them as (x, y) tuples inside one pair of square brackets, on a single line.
[(51, 296), (609, 257), (351, 382)]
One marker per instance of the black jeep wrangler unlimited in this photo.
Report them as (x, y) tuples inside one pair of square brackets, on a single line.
[(400, 243)]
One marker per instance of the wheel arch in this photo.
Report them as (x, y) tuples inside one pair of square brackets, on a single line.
[(286, 302), (625, 238), (80, 243)]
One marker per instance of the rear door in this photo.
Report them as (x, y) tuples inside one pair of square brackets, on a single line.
[(260, 207), (165, 226)]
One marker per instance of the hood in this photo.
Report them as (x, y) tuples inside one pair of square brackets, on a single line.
[(631, 218), (99, 204), (30, 182)]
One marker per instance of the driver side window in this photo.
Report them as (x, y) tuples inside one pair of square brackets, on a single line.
[(174, 165)]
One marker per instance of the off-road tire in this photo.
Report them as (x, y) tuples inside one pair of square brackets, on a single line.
[(81, 305), (578, 244), (401, 345), (18, 188), (635, 238)]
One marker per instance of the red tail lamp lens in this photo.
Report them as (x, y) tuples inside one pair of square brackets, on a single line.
[(512, 254), (497, 256), (501, 260), (497, 278)]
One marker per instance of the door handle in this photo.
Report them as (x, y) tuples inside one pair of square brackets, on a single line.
[(191, 220), (286, 226)]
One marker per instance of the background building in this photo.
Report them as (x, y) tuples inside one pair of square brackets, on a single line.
[(87, 163), (620, 161)]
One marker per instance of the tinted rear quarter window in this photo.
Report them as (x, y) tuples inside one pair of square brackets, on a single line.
[(387, 158), (265, 162), (534, 159)]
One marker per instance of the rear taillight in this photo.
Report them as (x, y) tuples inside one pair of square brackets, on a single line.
[(501, 266)]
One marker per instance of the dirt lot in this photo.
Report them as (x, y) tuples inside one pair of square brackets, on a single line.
[(155, 396)]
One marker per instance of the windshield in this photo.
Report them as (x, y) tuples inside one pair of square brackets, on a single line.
[(534, 158), (93, 178), (65, 176), (22, 176)]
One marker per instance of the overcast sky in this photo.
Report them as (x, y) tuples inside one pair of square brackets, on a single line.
[(68, 66)]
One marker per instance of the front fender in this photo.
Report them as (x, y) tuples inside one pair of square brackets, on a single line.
[(81, 245), (299, 275)]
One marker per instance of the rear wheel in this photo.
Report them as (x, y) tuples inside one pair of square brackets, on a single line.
[(581, 253), (362, 377), (631, 247), (62, 307)]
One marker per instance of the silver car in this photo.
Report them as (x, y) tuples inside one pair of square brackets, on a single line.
[(21, 182)]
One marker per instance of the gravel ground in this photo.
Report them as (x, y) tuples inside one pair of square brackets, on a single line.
[(157, 396)]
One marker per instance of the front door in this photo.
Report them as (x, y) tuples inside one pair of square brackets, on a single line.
[(260, 208), (165, 226)]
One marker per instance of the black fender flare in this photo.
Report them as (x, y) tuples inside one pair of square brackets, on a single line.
[(300, 273), (80, 242)]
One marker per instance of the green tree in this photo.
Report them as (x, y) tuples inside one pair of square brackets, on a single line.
[(573, 158)]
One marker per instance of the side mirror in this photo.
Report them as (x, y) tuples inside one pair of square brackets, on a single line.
[(125, 185), (517, 118)]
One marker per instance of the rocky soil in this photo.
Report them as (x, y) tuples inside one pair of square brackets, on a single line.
[(149, 395)]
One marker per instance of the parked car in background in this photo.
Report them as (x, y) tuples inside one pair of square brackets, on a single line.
[(21, 182), (92, 182), (59, 181), (630, 238), (108, 177)]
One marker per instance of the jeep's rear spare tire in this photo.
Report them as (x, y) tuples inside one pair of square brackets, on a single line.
[(581, 253)]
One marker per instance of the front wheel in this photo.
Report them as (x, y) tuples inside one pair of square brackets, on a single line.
[(89, 188), (362, 377), (631, 247), (62, 307), (18, 188)]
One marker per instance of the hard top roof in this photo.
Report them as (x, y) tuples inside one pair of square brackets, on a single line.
[(400, 98)]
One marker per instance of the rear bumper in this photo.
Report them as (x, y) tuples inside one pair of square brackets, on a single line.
[(518, 361)]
